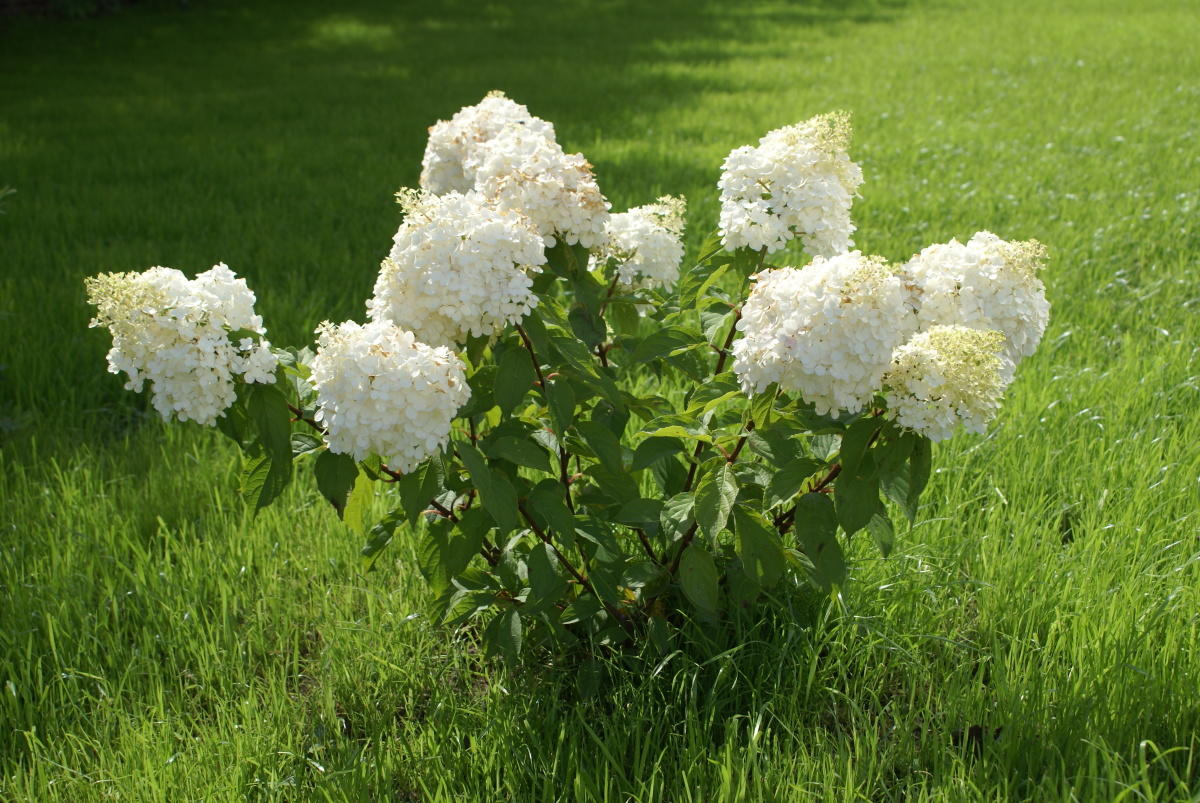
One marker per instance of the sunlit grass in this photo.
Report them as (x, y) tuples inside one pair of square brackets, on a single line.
[(1035, 636)]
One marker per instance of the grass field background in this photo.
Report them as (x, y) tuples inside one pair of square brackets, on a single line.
[(1036, 636)]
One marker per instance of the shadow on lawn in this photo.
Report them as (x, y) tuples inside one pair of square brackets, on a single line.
[(272, 135)]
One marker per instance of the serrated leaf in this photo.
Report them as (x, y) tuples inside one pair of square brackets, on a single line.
[(378, 537), (520, 452), (816, 530), (641, 513), (759, 547), (496, 492), (677, 514), (305, 443), (678, 426), (663, 342), (560, 398), (652, 450), (547, 505), (882, 532), (855, 442), (514, 378), (762, 407), (547, 583), (789, 479), (920, 465), (336, 474), (418, 487), (706, 397), (699, 580), (587, 325), (715, 495), (604, 443), (503, 636), (778, 444), (857, 500), (358, 502)]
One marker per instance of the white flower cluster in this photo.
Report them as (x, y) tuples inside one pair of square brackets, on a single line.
[(458, 267), (798, 181), (523, 171), (174, 333), (826, 332), (645, 244), (454, 144), (381, 391), (986, 284), (947, 376)]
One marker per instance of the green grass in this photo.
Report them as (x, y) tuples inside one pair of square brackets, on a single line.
[(1036, 636)]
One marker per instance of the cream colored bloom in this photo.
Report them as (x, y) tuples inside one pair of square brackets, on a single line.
[(945, 377)]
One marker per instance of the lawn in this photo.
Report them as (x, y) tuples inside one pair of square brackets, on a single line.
[(1036, 636)]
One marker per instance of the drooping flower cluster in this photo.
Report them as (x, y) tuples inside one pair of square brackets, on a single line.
[(522, 171), (645, 244), (947, 376), (825, 332), (175, 333), (988, 283), (454, 144), (798, 181), (458, 267), (381, 391)]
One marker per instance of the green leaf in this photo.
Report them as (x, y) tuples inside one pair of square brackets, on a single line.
[(778, 444), (857, 500), (920, 465), (419, 486), (359, 502), (521, 452), (378, 538), (641, 513), (759, 547), (514, 378), (664, 342), (482, 398), (816, 531), (652, 450), (607, 445), (336, 474), (706, 397), (560, 399), (715, 495), (678, 426), (260, 483), (587, 325), (762, 407), (893, 458), (496, 493), (677, 515), (446, 548), (855, 442), (644, 574), (548, 507), (882, 532), (268, 469), (623, 316), (699, 580), (305, 443), (547, 584), (616, 485), (789, 479), (503, 636)]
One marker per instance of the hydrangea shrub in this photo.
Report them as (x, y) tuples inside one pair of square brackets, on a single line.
[(586, 439)]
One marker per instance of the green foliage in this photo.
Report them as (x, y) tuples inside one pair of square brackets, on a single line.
[(161, 646), (577, 504)]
